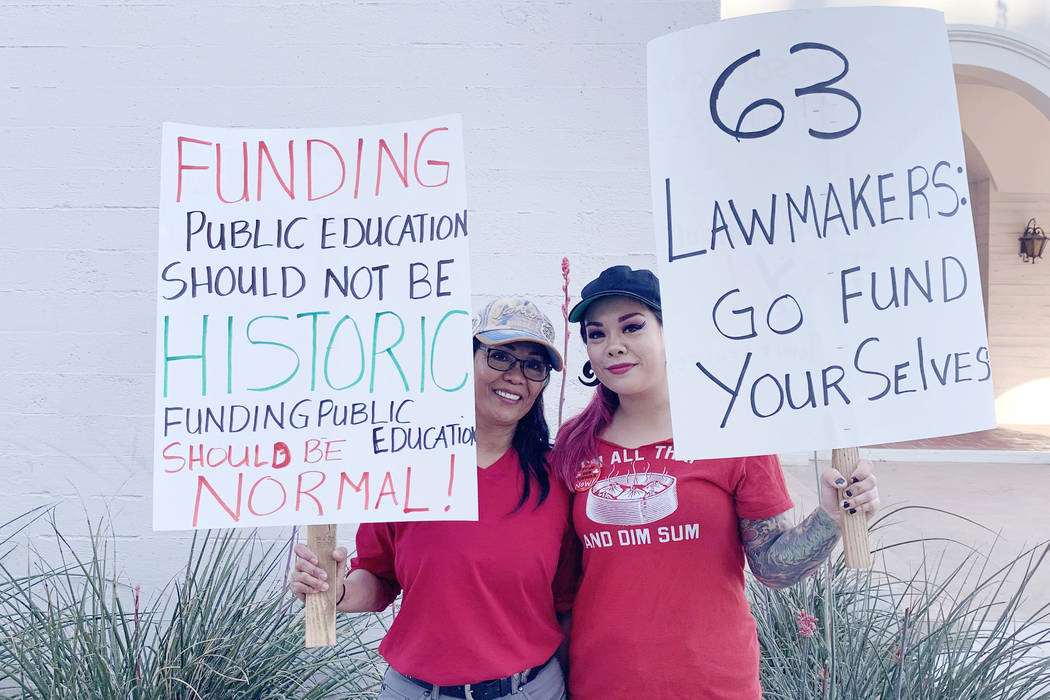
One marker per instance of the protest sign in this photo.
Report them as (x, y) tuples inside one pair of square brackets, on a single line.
[(814, 236), (313, 331)]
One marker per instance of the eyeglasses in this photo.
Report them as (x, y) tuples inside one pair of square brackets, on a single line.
[(534, 369)]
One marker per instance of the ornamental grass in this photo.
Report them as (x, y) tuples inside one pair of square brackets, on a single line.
[(224, 628), (945, 632)]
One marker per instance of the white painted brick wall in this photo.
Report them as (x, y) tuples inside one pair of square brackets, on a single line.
[(553, 99)]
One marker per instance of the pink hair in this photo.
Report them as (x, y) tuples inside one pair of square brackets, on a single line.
[(578, 437)]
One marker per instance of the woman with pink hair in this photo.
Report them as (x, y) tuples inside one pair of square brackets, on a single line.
[(660, 610)]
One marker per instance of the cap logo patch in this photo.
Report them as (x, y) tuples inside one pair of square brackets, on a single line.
[(518, 314)]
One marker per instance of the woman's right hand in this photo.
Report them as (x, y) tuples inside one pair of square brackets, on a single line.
[(308, 576)]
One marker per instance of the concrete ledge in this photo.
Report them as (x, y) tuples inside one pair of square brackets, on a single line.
[(905, 455)]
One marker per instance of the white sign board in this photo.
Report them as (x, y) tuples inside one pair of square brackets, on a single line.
[(313, 332), (814, 236)]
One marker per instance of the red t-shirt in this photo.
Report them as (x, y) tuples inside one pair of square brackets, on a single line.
[(479, 597), (661, 611)]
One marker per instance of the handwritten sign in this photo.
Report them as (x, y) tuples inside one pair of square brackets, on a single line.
[(814, 235), (313, 331)]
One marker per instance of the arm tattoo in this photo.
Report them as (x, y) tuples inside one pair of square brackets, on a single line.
[(780, 555)]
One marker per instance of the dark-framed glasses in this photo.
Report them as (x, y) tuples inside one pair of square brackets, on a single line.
[(533, 368)]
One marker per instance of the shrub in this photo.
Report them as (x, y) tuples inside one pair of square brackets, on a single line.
[(943, 633), (225, 628)]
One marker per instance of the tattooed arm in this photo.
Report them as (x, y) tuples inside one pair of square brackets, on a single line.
[(780, 555)]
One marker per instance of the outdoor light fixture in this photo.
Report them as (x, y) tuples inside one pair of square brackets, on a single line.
[(1033, 240)]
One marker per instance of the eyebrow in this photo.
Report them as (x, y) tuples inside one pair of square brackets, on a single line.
[(619, 320), (532, 352)]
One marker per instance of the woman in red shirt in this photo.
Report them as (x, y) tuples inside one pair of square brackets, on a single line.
[(478, 615), (660, 611)]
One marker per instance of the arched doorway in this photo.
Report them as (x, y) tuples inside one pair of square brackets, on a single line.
[(1003, 83)]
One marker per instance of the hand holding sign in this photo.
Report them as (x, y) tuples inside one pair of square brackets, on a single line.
[(311, 573), (857, 498), (321, 605)]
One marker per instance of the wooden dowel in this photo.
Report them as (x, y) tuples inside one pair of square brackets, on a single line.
[(320, 607), (854, 527)]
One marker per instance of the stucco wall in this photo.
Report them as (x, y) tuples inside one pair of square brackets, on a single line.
[(1012, 136), (553, 100), (980, 191), (1029, 17)]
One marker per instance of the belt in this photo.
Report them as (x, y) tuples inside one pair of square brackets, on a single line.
[(485, 690)]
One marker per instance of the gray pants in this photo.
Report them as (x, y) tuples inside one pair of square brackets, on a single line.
[(549, 684)]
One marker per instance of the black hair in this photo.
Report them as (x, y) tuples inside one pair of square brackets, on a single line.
[(532, 442)]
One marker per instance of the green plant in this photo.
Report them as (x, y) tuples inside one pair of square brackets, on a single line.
[(224, 629), (946, 632)]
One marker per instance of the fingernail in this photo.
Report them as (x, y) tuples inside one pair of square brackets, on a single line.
[(849, 493), (855, 480), (840, 482), (845, 504), (852, 511), (324, 586)]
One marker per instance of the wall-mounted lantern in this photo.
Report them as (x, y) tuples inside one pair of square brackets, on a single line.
[(1033, 240)]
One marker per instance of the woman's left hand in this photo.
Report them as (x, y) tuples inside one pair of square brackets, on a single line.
[(856, 494)]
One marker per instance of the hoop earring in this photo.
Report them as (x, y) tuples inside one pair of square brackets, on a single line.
[(588, 378)]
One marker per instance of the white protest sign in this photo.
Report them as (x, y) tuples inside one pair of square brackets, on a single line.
[(814, 236), (313, 333)]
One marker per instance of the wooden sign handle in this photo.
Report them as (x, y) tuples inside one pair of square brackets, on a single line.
[(320, 607), (854, 527)]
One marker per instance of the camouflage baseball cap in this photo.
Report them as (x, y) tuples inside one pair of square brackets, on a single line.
[(513, 320)]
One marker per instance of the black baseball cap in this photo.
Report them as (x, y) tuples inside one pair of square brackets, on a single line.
[(619, 280)]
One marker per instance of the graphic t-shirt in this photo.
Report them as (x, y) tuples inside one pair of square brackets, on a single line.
[(660, 611), (479, 597)]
